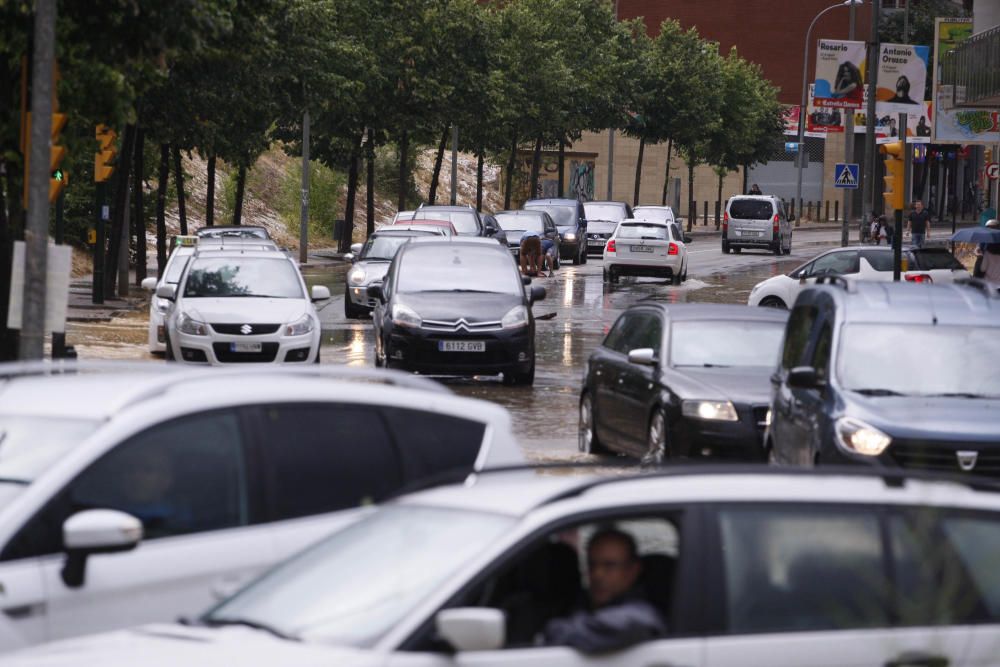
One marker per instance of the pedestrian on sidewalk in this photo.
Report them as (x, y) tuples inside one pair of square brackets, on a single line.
[(919, 224), (988, 259), (876, 231), (888, 231), (755, 190)]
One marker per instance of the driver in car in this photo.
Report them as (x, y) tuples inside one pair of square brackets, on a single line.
[(616, 615)]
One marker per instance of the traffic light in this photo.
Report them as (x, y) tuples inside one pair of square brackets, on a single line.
[(57, 153), (58, 179), (103, 159), (895, 168)]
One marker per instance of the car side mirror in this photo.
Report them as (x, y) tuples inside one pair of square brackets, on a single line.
[(643, 356), (805, 377), (472, 628), (96, 532), (168, 292), (356, 249), (320, 292), (688, 239), (376, 292), (537, 293), (583, 224), (350, 257), (148, 284)]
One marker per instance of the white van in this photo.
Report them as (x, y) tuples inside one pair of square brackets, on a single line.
[(756, 221)]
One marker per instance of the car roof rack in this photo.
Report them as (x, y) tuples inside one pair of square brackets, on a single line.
[(991, 290)]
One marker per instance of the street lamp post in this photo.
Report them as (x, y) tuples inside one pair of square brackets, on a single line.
[(802, 104)]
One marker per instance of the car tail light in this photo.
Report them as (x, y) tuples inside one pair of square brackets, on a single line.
[(774, 228), (611, 246), (725, 222), (672, 250), (919, 278)]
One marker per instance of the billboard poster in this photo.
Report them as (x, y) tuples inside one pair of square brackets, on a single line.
[(839, 79), (918, 126), (958, 125), (819, 121), (902, 78)]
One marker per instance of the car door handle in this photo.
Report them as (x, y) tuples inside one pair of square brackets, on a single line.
[(24, 611), (918, 659)]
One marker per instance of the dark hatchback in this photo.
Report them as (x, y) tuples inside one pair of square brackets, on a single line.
[(688, 380), (602, 219), (571, 221), (890, 374), (456, 306)]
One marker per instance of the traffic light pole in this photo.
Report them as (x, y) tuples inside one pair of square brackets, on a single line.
[(897, 237), (59, 338), (97, 292), (869, 193)]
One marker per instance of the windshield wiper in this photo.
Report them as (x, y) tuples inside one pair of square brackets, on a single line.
[(960, 394), (14, 480), (878, 392), (256, 625), (701, 366)]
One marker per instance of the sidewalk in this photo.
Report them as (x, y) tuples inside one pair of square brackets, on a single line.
[(82, 309)]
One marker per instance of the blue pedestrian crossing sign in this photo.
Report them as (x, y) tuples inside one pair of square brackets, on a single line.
[(845, 175)]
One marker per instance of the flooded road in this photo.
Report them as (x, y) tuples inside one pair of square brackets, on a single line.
[(576, 314)]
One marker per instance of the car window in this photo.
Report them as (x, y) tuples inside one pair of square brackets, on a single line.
[(514, 223), (327, 457), (563, 216), (676, 231), (617, 338), (821, 351), (613, 212), (447, 268), (800, 323), (880, 261), (842, 262), (641, 231), (175, 267), (645, 331), (725, 343), (802, 569), (977, 541), (431, 443), (184, 476), (465, 223), (751, 209), (928, 259), (214, 277)]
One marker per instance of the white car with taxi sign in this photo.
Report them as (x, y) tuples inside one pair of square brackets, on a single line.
[(158, 308)]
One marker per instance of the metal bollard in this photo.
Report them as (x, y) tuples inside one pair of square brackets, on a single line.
[(718, 214), (827, 216), (705, 223), (836, 209)]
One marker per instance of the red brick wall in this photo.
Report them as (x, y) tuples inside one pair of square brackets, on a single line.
[(768, 32)]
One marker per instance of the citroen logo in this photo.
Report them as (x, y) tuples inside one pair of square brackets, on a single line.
[(967, 460), (246, 329)]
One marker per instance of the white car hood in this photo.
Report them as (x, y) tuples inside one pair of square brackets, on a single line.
[(172, 644), (374, 271), (245, 310)]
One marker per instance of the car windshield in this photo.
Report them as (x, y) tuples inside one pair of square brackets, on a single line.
[(519, 223), (644, 213), (176, 267), (29, 445), (457, 268), (609, 212), (562, 215), (750, 209), (464, 222), (725, 343), (247, 233), (601, 226), (639, 231), (383, 248), (358, 584), (215, 277), (920, 359)]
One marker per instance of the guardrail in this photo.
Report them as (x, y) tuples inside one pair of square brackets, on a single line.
[(972, 70)]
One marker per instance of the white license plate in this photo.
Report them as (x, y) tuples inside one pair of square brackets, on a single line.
[(640, 248), (462, 345), (596, 242), (751, 233), (245, 347)]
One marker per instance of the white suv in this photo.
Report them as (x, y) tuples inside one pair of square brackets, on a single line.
[(753, 566), (239, 306), (138, 493)]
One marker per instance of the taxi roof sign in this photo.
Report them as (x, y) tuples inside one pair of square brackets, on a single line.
[(185, 241)]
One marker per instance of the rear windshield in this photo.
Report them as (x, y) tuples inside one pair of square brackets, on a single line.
[(751, 209), (649, 232), (935, 258), (464, 222), (880, 261), (564, 216), (611, 212), (645, 213)]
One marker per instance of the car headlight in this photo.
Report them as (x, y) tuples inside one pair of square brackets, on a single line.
[(515, 317), (301, 326), (857, 437), (569, 236), (356, 276), (405, 316), (710, 410), (189, 325), (162, 305)]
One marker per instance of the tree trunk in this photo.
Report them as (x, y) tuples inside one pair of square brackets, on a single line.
[(161, 205), (436, 175), (479, 179), (370, 185), (347, 238), (8, 345), (210, 196), (118, 212), (510, 173), (179, 182), (692, 206), (562, 166), (536, 163), (241, 181), (718, 202), (666, 173), (404, 146), (139, 219), (638, 170)]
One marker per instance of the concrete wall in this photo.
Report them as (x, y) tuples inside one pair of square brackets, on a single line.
[(985, 15)]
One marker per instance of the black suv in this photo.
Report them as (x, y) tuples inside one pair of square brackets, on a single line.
[(892, 374), (571, 221), (466, 220)]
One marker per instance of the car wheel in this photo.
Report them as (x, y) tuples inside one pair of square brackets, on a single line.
[(583, 254), (725, 247), (737, 250), (772, 459), (656, 440), (675, 279), (773, 302), (168, 354), (514, 378), (587, 440), (351, 311), (607, 276), (576, 258), (777, 247), (319, 353), (378, 354)]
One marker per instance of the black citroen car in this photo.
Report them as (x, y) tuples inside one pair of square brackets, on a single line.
[(688, 380), (456, 306)]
